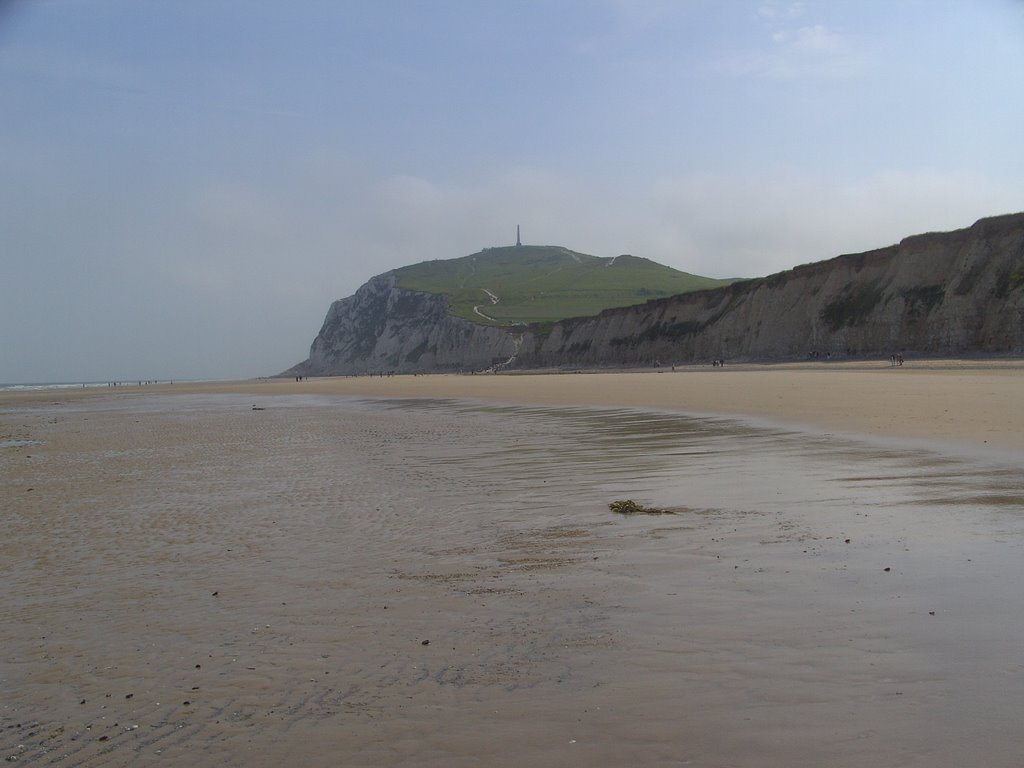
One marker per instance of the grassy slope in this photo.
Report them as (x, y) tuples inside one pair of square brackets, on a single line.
[(545, 283)]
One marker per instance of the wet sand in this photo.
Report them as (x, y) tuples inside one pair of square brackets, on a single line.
[(422, 582), (964, 401)]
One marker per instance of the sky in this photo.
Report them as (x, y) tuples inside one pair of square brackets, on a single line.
[(185, 186)]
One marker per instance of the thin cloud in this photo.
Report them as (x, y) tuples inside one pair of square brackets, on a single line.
[(818, 39), (754, 225), (774, 10), (785, 48)]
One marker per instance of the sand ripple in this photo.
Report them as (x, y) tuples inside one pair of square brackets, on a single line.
[(330, 581)]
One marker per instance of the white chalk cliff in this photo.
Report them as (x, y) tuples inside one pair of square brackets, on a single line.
[(952, 293)]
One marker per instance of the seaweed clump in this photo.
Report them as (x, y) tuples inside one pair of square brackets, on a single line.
[(630, 507)]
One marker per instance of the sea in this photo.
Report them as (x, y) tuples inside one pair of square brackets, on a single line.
[(34, 386)]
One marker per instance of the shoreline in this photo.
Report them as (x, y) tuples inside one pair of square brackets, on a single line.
[(407, 582), (973, 402)]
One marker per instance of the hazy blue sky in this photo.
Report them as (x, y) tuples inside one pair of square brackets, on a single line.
[(186, 186)]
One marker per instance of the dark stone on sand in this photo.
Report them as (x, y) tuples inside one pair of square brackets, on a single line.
[(888, 569), (425, 642), (630, 507), (128, 695)]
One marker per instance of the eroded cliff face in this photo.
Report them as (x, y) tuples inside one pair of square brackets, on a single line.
[(942, 294), (948, 293), (385, 328)]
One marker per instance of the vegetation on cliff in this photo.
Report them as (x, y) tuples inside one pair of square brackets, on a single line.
[(951, 293), (538, 284)]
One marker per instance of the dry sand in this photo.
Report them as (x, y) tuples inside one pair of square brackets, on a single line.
[(337, 581)]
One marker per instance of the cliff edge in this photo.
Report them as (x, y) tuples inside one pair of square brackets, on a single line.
[(952, 293), (386, 328)]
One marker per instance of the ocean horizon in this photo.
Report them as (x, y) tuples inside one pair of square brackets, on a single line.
[(43, 385)]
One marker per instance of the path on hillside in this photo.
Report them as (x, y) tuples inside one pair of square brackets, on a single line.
[(494, 300), (517, 342)]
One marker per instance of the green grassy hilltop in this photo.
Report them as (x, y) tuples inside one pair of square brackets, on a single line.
[(544, 283)]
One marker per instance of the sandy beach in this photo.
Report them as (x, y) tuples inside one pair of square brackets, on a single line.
[(423, 571), (961, 401)]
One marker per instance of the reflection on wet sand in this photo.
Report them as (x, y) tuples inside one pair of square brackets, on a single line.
[(428, 582)]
